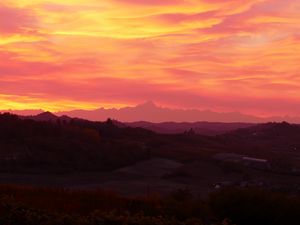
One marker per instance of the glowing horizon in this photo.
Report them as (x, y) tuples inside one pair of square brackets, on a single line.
[(211, 54)]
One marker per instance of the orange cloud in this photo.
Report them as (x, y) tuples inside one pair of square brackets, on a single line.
[(222, 55), (151, 2)]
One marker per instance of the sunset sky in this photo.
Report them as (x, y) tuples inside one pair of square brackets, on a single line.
[(206, 54)]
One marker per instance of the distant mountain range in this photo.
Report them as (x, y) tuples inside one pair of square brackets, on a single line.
[(150, 112)]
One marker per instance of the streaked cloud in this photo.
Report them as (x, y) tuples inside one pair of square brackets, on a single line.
[(222, 55)]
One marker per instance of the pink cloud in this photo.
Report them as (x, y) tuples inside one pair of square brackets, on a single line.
[(112, 90), (152, 2), (241, 63), (174, 18), (15, 20)]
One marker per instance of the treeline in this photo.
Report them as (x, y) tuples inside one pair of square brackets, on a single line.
[(66, 145), (33, 206), (70, 145)]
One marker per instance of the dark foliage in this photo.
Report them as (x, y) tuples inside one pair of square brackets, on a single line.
[(70, 145), (27, 145), (255, 206), (27, 205)]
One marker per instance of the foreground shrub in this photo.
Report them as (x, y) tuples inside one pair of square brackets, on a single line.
[(254, 206), (43, 206)]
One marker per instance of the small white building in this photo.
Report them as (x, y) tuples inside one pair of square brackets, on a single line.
[(256, 163), (252, 162)]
